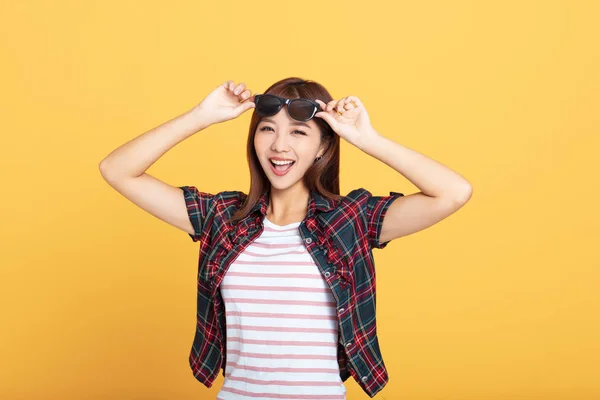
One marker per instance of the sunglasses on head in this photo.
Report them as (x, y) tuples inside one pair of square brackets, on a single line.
[(299, 109)]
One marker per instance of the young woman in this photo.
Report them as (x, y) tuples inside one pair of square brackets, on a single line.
[(286, 278)]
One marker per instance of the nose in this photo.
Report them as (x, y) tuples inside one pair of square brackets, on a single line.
[(280, 142)]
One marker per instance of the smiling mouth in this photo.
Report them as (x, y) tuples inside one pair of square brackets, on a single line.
[(281, 169)]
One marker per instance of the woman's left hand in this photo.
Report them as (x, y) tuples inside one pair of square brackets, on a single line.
[(348, 118)]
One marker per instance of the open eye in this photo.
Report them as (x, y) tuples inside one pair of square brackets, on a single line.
[(268, 127)]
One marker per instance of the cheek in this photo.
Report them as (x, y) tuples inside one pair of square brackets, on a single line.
[(259, 144), (309, 148)]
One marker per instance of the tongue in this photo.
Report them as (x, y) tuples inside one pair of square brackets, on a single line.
[(283, 167)]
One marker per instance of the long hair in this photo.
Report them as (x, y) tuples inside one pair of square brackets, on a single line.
[(323, 176)]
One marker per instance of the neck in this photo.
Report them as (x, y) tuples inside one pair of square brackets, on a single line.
[(288, 203)]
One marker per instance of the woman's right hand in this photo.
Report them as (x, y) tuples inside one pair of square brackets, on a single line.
[(226, 102)]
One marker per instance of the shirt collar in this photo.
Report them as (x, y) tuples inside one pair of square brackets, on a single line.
[(316, 203)]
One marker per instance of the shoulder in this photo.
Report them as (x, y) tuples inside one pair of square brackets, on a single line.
[(347, 208), (356, 198), (211, 202), (363, 196), (359, 217), (361, 203), (231, 196), (229, 200), (358, 195)]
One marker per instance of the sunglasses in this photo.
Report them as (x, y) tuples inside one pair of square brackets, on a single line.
[(299, 109)]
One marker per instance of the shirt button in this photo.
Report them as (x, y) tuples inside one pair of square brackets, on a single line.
[(348, 344), (364, 379), (308, 240), (327, 274), (341, 310)]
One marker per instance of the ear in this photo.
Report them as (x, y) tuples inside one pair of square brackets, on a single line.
[(322, 149)]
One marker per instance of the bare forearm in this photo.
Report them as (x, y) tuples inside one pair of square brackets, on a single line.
[(430, 176), (133, 158)]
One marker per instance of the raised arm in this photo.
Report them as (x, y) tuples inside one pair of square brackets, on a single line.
[(124, 168), (443, 191)]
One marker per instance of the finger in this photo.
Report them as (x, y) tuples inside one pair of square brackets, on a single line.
[(348, 103), (355, 100), (239, 88), (331, 104), (327, 117), (340, 106), (245, 94), (242, 108)]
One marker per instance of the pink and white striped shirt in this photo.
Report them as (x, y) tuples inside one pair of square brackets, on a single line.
[(281, 323)]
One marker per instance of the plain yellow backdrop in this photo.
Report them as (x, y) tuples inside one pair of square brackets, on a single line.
[(500, 301)]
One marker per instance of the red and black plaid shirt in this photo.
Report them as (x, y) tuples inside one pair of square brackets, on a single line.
[(339, 235)]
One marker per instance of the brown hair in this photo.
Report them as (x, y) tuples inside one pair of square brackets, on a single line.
[(323, 176)]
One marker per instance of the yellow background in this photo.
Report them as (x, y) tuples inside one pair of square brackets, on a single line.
[(498, 301)]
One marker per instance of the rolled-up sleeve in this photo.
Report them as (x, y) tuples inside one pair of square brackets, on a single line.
[(199, 208), (376, 208)]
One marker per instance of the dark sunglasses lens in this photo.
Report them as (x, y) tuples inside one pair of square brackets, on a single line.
[(268, 105), (301, 109)]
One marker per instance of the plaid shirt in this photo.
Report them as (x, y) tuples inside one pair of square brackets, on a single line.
[(339, 235)]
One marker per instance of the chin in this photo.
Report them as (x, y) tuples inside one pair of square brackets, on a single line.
[(282, 182)]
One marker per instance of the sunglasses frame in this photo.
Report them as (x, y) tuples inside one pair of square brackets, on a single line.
[(284, 101)]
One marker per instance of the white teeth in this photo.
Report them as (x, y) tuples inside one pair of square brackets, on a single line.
[(281, 162)]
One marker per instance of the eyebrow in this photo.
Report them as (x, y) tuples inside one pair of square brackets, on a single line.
[(299, 123)]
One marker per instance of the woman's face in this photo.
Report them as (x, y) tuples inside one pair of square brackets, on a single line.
[(282, 137)]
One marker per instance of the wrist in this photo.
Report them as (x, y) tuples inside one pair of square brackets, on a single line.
[(371, 138), (199, 118)]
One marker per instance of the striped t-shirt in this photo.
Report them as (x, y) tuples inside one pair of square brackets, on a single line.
[(281, 323)]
